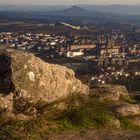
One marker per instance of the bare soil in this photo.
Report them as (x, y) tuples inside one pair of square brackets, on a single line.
[(94, 134)]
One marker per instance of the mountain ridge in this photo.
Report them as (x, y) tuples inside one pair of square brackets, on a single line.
[(76, 11), (113, 8)]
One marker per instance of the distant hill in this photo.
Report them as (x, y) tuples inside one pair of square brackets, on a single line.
[(73, 11), (98, 14), (77, 11), (32, 7), (116, 9), (74, 14)]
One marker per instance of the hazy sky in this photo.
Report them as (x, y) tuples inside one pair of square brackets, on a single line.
[(66, 2)]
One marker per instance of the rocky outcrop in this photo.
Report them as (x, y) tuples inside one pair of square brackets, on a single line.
[(119, 101), (126, 109), (109, 92), (135, 121), (27, 83)]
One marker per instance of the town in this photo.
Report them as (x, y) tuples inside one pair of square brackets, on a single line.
[(106, 58)]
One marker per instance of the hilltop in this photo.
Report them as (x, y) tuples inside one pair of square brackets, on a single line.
[(75, 11), (43, 101)]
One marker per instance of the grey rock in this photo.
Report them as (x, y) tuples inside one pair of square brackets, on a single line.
[(27, 83), (109, 92), (125, 109)]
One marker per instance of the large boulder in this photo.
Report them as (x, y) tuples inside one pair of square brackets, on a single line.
[(27, 83)]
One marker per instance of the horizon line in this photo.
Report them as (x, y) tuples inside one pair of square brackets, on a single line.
[(3, 4)]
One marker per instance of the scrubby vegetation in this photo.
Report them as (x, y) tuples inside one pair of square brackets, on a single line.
[(126, 124), (91, 114)]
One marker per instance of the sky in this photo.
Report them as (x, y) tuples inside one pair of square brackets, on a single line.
[(69, 2)]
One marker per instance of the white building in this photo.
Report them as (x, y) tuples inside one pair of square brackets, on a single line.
[(74, 54)]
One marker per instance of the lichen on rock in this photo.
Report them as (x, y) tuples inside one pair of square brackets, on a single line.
[(28, 83)]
